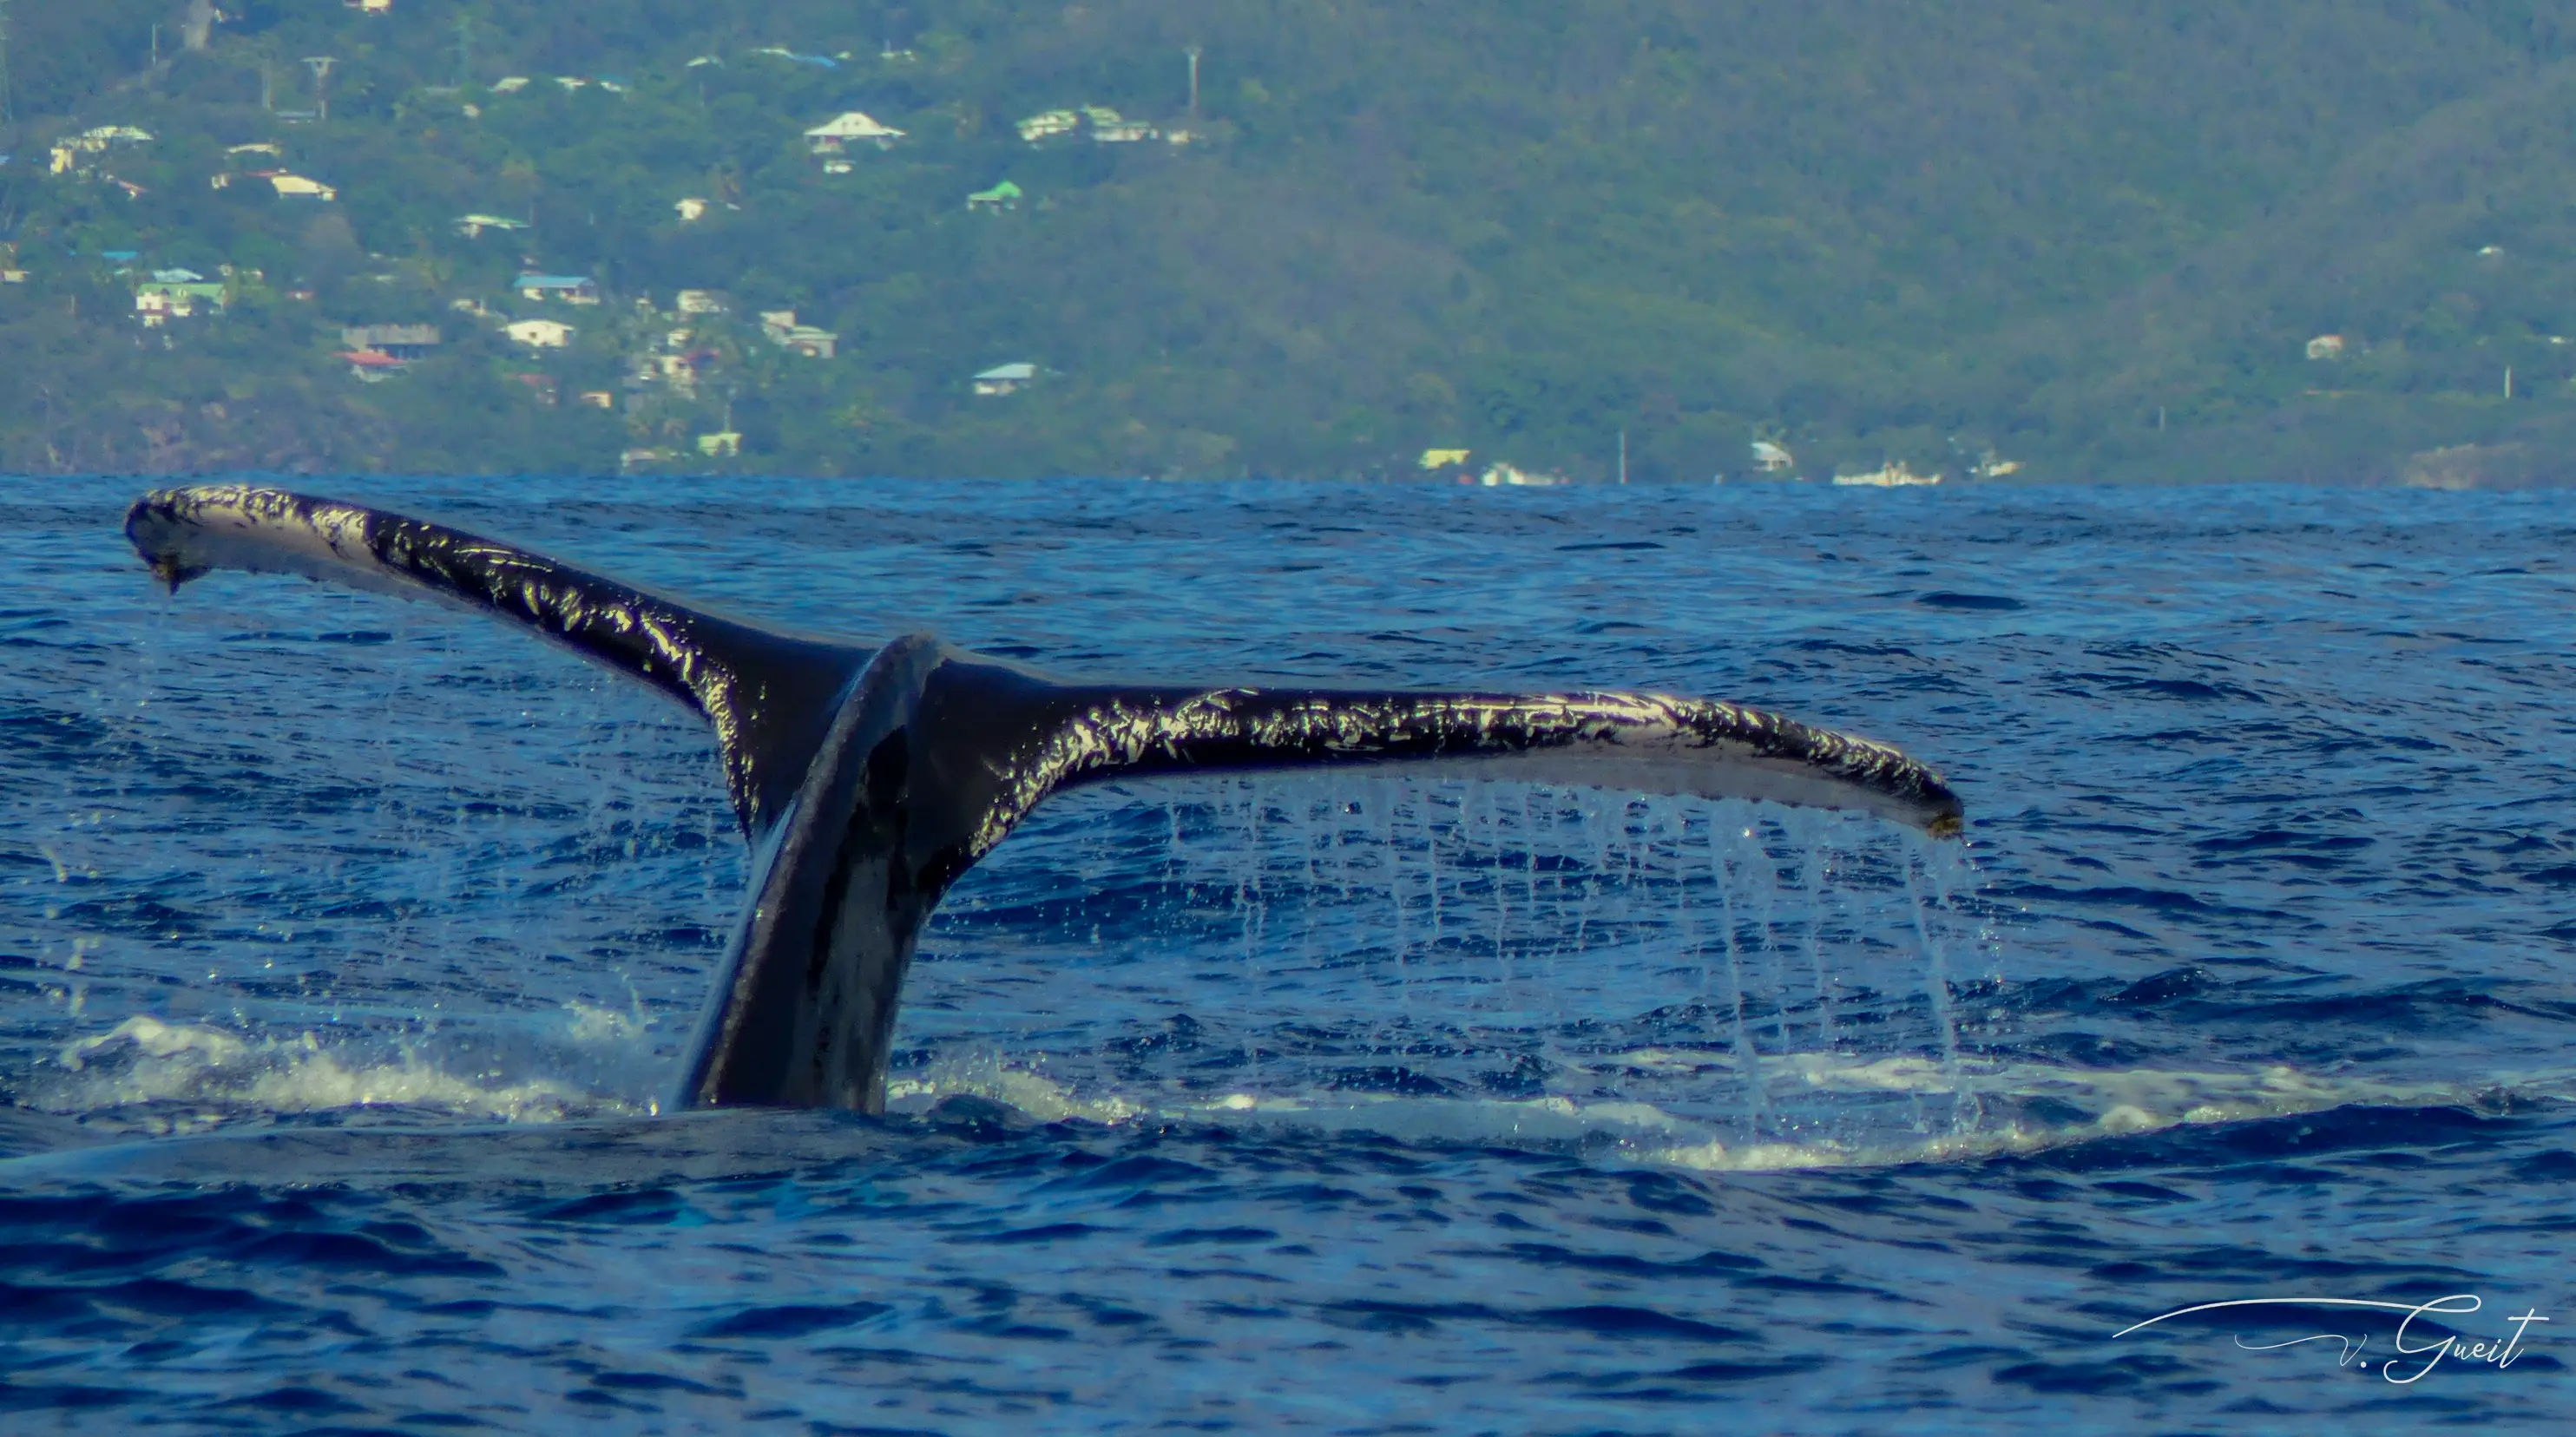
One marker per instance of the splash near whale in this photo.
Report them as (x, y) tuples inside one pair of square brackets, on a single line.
[(869, 779)]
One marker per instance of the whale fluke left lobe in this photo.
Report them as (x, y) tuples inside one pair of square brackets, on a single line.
[(768, 696)]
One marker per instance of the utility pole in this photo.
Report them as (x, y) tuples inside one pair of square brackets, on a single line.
[(1623, 456), (156, 47), (1194, 82), (321, 65), (2508, 381), (267, 87), (464, 51)]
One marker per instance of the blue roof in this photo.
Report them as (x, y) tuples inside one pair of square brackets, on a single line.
[(119, 255), (551, 281)]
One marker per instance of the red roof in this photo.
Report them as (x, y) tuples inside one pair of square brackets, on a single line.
[(371, 359)]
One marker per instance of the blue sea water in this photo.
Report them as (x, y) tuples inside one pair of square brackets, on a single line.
[(345, 946)]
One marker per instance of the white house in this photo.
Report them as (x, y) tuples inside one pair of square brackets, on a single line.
[(2326, 346), (296, 187), (830, 137), (473, 226), (691, 210), (540, 333), (1053, 122), (570, 288), (1006, 379), (1893, 475)]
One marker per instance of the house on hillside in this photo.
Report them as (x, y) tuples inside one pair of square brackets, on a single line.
[(1443, 458), (540, 333), (473, 226), (836, 134), (1045, 126), (699, 301), (176, 294), (1500, 475), (509, 84), (1124, 132), (297, 187), (783, 330), (690, 210), (369, 366), (820, 62), (1771, 458), (2326, 346), (369, 7), (1894, 475), (72, 156), (1006, 379), (680, 371), (1004, 196), (570, 288), (403, 341)]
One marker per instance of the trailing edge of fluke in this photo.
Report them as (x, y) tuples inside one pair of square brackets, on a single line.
[(869, 779)]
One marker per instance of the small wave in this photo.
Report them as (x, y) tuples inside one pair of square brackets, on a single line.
[(170, 1077), (2037, 1106)]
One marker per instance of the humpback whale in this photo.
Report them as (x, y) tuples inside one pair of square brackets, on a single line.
[(867, 779)]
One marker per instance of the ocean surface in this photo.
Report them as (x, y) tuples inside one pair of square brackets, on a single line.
[(347, 946)]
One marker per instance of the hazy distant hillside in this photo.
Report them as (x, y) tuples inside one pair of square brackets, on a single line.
[(2095, 239)]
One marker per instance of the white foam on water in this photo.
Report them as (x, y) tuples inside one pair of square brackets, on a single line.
[(1030, 1092), (2114, 1103), (146, 1067)]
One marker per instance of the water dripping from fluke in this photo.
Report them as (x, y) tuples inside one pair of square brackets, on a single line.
[(1506, 941)]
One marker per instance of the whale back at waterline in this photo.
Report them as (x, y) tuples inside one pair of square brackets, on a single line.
[(869, 779)]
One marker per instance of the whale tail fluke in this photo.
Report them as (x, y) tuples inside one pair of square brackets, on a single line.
[(768, 696), (870, 780)]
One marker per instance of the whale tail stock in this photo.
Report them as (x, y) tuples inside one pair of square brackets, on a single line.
[(869, 780)]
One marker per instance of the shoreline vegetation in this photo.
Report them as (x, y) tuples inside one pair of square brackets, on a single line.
[(1509, 242)]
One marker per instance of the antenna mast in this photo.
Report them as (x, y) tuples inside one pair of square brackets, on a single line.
[(1194, 82)]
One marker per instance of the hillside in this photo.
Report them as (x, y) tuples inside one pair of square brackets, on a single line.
[(2095, 240)]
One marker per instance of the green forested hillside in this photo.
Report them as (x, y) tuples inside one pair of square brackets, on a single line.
[(2094, 239)]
